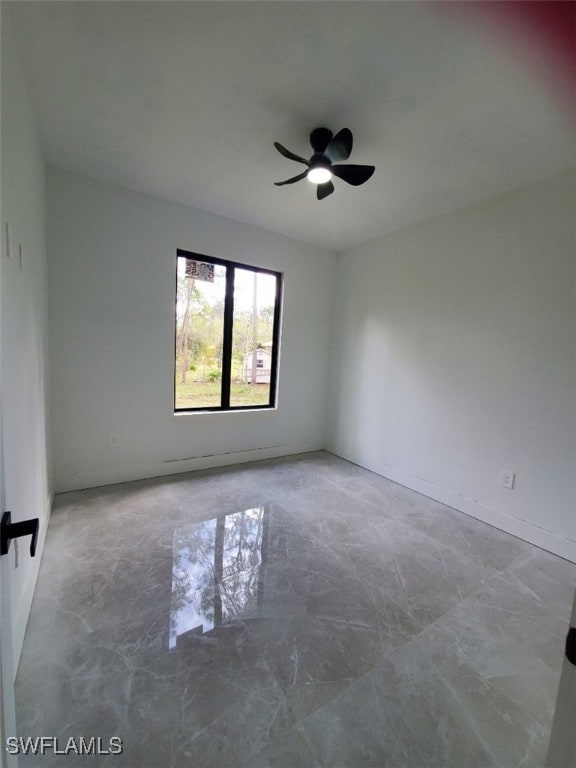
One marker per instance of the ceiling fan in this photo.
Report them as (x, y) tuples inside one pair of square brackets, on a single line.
[(328, 150)]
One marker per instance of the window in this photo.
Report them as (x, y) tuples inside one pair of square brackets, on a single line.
[(227, 334)]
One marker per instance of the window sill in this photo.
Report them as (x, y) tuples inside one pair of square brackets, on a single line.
[(273, 409)]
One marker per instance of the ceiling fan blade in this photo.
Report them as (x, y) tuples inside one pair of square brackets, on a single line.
[(288, 154), (323, 190), (320, 138), (353, 174), (339, 147), (292, 180)]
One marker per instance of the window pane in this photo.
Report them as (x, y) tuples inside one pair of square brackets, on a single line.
[(253, 326), (199, 334)]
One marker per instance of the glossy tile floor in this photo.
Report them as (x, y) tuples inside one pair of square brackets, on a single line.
[(294, 612)]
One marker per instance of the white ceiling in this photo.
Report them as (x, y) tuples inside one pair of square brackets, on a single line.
[(185, 99)]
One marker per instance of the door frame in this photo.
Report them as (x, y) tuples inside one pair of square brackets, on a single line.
[(7, 696)]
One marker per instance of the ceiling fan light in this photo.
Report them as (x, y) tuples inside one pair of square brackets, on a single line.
[(319, 175)]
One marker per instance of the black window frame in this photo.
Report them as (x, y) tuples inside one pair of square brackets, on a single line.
[(228, 321)]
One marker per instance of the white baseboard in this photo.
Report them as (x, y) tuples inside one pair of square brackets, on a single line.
[(123, 473), (533, 534)]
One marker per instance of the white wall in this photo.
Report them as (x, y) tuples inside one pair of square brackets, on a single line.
[(112, 257), (454, 358), (23, 317)]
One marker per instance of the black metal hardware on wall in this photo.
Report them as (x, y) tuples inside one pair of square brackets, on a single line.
[(571, 645), (10, 530)]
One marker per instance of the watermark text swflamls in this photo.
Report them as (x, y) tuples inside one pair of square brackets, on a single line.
[(74, 745)]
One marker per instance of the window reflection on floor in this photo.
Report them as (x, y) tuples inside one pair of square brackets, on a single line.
[(218, 571)]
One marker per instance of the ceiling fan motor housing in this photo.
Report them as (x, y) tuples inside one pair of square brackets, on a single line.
[(318, 160)]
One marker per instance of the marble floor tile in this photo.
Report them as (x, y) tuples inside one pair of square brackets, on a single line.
[(482, 544), (399, 714), (510, 636), (418, 572), (297, 612)]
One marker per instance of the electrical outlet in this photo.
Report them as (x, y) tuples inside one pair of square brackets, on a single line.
[(507, 478), (114, 440)]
